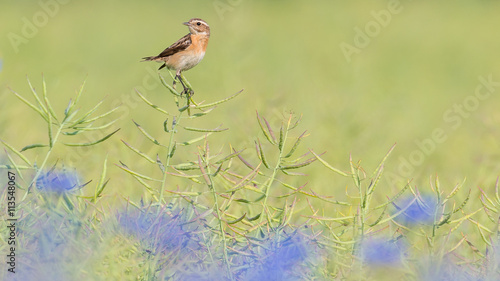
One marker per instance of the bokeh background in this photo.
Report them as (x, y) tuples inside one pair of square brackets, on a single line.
[(413, 65)]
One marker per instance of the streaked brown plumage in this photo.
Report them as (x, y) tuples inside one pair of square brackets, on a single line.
[(188, 51)]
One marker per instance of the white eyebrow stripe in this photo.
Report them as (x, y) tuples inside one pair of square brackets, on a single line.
[(201, 21)]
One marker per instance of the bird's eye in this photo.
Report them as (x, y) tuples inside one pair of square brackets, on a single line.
[(198, 23)]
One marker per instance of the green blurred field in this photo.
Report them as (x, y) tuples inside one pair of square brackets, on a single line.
[(287, 57)]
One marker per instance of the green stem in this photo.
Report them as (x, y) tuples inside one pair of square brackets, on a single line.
[(169, 149), (275, 170), (217, 212), (44, 162)]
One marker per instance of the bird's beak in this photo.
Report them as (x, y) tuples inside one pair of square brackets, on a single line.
[(186, 23)]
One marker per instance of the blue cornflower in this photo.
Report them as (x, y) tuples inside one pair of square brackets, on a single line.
[(58, 181), (282, 257), (158, 232), (418, 210), (378, 252)]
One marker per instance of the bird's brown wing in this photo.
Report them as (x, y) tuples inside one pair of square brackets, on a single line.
[(178, 46)]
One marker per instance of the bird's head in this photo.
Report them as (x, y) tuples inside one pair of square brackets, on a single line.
[(198, 26)]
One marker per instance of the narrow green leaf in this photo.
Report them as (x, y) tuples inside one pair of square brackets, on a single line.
[(245, 162), (394, 198), (242, 200), (81, 119), (236, 153), (186, 82), (254, 218), (438, 189), (44, 116), (36, 145), (71, 105), (189, 142), (142, 154), (185, 166), (237, 220), (46, 99), (80, 91), (172, 151), (217, 171), (68, 117), (266, 133), (150, 103), (282, 138), (402, 210), (17, 153), (148, 136), (383, 160), (328, 165), (100, 190), (90, 128), (446, 219), (101, 116), (337, 219), (244, 180), (260, 153), (165, 126), (216, 130), (33, 91), (146, 185), (465, 217), (137, 174), (295, 145), (160, 164), (219, 102), (101, 184), (463, 203), (296, 123), (454, 191), (185, 193), (68, 107), (354, 175), (49, 124), (375, 181), (299, 165), (200, 114), (170, 88), (14, 164), (94, 142), (379, 218), (269, 129), (74, 133)]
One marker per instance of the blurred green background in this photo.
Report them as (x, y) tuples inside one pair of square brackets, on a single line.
[(416, 63)]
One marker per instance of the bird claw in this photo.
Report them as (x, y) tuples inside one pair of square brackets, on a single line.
[(189, 92)]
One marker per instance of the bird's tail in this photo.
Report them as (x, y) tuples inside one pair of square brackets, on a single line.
[(149, 58), (152, 59)]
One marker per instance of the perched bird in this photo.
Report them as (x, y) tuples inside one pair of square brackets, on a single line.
[(187, 52)]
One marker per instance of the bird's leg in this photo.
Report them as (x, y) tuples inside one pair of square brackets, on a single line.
[(184, 86)]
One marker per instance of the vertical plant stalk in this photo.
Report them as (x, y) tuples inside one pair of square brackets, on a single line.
[(207, 174), (173, 129), (436, 214), (362, 201), (281, 147), (170, 146), (52, 141)]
